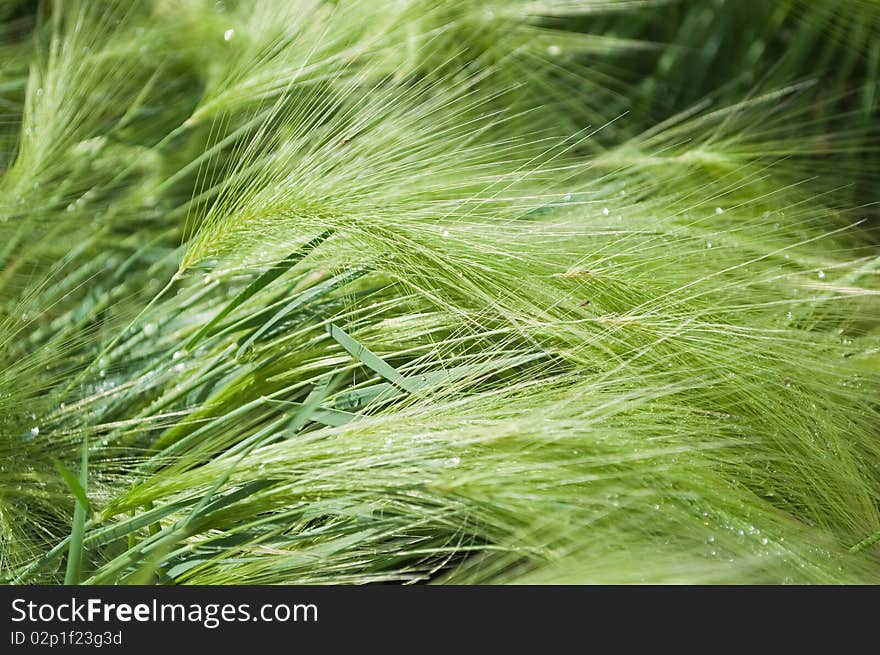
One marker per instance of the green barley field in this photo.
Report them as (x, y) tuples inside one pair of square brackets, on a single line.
[(447, 292)]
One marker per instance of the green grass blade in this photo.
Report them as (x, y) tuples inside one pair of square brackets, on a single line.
[(268, 276), (75, 486), (369, 359), (302, 299), (75, 550), (305, 413)]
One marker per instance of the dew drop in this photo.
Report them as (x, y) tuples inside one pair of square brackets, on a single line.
[(606, 211), (554, 50), (178, 354), (709, 245), (40, 92), (35, 431), (821, 275), (719, 211), (228, 34), (149, 329), (455, 461), (764, 541), (445, 233)]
